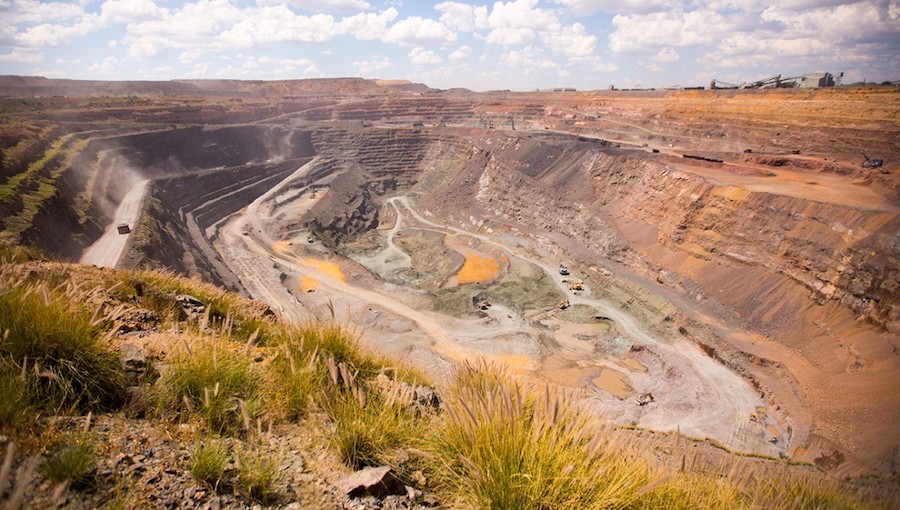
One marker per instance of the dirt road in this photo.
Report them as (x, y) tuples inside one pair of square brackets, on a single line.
[(107, 250)]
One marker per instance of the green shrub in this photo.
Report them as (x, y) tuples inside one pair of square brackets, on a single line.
[(66, 363), (208, 462)]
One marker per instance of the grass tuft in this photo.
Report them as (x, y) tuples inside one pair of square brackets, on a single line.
[(57, 348), (213, 380), (296, 379), (369, 424), (503, 447), (208, 462), (257, 472), (72, 463)]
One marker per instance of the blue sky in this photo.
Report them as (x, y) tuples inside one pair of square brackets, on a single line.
[(515, 44)]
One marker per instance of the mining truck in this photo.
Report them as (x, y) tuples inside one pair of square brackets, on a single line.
[(123, 228)]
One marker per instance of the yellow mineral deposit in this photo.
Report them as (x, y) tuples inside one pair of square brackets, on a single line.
[(477, 269), (327, 268), (308, 283)]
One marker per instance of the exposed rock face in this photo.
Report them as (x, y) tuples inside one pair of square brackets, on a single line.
[(652, 215), (347, 210)]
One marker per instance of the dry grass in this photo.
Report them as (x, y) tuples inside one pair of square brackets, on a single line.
[(212, 380), (208, 462), (58, 349), (501, 446), (370, 423)]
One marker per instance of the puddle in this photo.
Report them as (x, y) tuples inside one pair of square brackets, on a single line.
[(614, 382)]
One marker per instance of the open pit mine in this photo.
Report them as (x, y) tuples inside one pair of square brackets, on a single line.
[(721, 262)]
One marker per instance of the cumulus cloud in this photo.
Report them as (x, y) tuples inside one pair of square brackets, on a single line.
[(647, 32), (35, 12), (118, 11), (509, 36), (367, 25), (526, 60), (368, 67), (107, 68), (323, 5), (22, 57), (416, 30), (461, 53), (279, 24), (55, 34), (463, 17), (303, 67), (588, 7), (571, 41), (421, 56)]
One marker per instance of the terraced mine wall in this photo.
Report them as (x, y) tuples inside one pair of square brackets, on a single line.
[(360, 165), (771, 255), (366, 164), (95, 180), (173, 231)]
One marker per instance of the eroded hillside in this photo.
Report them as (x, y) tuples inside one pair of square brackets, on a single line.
[(731, 265)]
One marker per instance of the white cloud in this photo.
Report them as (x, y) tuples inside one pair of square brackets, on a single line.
[(666, 55), (367, 25), (195, 26), (520, 14), (462, 17), (571, 41), (279, 24), (118, 11), (643, 33), (21, 56), (461, 53), (588, 7), (323, 5), (420, 56), (526, 59), (508, 36), (108, 68), (200, 69), (367, 67), (35, 12), (416, 30), (307, 67), (55, 34)]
